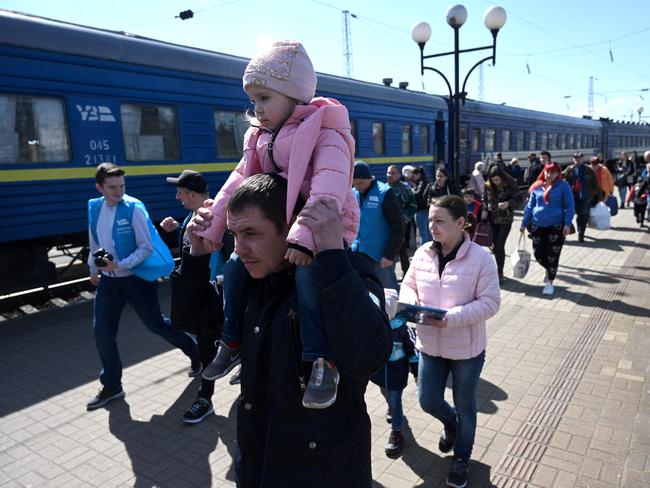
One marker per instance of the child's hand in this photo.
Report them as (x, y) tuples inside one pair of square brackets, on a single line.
[(299, 258)]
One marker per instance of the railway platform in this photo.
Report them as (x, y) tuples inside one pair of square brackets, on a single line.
[(564, 398)]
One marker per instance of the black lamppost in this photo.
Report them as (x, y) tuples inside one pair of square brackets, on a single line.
[(495, 19)]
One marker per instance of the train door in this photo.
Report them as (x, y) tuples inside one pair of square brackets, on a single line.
[(463, 156)]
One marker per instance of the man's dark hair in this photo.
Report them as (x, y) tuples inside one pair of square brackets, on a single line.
[(467, 191), (547, 153), (268, 193), (454, 204), (106, 170)]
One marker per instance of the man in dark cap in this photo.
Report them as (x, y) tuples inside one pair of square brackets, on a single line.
[(192, 191), (381, 228)]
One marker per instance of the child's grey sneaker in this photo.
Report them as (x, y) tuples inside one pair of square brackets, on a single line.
[(199, 410), (225, 360), (104, 396), (322, 386)]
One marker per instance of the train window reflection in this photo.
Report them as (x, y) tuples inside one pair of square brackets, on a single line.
[(231, 127), (378, 137), (532, 143), (476, 137), (505, 140), (489, 140), (150, 132), (424, 139), (543, 145), (406, 139), (519, 140), (33, 130)]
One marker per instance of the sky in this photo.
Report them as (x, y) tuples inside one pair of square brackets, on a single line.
[(546, 52)]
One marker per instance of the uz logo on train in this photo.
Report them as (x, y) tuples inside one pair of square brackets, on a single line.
[(97, 113)]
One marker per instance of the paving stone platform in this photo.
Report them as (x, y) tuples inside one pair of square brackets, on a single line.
[(563, 400)]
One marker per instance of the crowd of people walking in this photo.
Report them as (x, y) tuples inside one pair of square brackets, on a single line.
[(316, 241)]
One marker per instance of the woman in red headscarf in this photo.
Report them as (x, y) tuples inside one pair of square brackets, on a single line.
[(549, 212)]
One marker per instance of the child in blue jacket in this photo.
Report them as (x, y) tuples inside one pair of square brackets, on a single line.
[(393, 377)]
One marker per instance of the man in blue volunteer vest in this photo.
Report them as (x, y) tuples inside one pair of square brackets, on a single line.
[(381, 228), (126, 258)]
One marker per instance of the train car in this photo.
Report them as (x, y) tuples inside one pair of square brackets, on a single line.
[(487, 129), (72, 97)]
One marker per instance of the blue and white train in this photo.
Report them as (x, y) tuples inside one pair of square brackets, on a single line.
[(72, 97)]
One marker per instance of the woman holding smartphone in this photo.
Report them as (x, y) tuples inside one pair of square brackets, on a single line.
[(455, 274)]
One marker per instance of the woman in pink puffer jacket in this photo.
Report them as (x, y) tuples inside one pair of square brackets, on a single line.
[(455, 274)]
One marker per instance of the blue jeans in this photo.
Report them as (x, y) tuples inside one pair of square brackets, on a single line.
[(394, 399), (622, 194), (461, 417), (386, 276), (112, 295), (422, 223), (312, 325)]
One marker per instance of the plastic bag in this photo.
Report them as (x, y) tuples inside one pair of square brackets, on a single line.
[(599, 217), (520, 259)]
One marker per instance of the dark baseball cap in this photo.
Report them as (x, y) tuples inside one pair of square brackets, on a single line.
[(191, 180), (361, 171)]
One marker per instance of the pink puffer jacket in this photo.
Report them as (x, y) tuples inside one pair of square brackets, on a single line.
[(468, 290), (314, 151)]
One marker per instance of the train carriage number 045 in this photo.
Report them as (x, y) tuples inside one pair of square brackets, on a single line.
[(99, 145)]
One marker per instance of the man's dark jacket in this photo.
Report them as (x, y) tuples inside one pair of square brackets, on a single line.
[(282, 444)]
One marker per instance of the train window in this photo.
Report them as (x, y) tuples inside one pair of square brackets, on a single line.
[(150, 132), (532, 142), (33, 130), (543, 145), (505, 140), (231, 127), (424, 139), (489, 140), (476, 137), (571, 141), (406, 139), (552, 140), (562, 142), (519, 140), (378, 137), (462, 143)]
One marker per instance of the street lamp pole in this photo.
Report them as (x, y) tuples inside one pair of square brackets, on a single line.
[(495, 19)]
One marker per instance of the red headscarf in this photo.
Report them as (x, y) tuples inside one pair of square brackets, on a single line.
[(541, 179)]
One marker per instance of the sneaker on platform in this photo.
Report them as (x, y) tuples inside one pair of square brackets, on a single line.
[(446, 441), (458, 474), (548, 289), (395, 444), (104, 396), (199, 410)]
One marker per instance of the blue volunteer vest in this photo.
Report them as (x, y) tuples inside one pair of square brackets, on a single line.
[(159, 263), (374, 230)]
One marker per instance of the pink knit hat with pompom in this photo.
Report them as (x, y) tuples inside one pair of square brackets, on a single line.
[(285, 68)]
